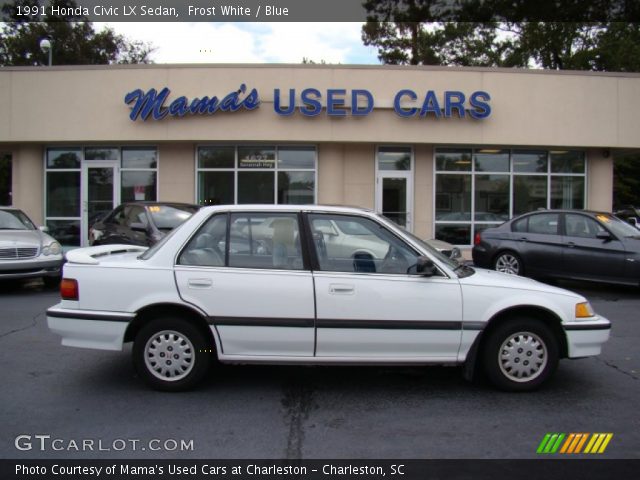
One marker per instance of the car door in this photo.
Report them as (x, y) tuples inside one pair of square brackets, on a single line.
[(252, 283), (368, 306), (589, 257), (539, 243)]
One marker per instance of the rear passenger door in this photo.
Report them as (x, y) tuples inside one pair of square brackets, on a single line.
[(247, 272)]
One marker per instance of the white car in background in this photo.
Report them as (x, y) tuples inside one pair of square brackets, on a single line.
[(224, 287)]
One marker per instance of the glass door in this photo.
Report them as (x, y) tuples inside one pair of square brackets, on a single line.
[(393, 197), (100, 193)]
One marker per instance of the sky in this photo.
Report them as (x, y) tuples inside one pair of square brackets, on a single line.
[(280, 42)]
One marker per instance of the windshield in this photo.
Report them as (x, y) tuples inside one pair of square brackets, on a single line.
[(618, 227), (15, 220), (424, 245), (168, 217)]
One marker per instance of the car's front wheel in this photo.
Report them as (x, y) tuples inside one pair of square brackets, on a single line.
[(509, 262), (171, 354), (520, 355)]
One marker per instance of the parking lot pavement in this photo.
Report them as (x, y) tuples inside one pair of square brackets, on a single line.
[(75, 395)]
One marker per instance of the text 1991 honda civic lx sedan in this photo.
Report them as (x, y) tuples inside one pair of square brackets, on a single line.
[(277, 284)]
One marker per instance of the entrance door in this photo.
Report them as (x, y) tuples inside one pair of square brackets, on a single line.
[(100, 193), (393, 197)]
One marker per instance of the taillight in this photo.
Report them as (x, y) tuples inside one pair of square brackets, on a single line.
[(477, 239), (69, 289)]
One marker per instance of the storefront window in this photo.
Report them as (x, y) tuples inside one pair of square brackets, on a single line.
[(256, 174), (139, 174), (101, 153), (63, 158), (502, 184), (5, 179)]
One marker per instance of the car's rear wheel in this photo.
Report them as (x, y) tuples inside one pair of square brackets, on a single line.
[(520, 355), (508, 262), (171, 354)]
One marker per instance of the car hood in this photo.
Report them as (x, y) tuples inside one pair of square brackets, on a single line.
[(491, 278), (20, 238)]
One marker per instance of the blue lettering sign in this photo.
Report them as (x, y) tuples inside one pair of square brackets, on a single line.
[(152, 103), (365, 110), (403, 112), (312, 106), (479, 107), (292, 102), (333, 102), (453, 101)]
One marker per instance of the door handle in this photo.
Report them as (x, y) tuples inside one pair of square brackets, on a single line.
[(523, 239), (200, 283), (341, 289), (571, 244)]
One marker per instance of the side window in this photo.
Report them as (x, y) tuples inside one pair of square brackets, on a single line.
[(265, 241), (358, 245), (520, 225), (207, 247), (544, 223), (136, 215), (581, 226)]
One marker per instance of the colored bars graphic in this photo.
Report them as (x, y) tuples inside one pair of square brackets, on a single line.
[(574, 443)]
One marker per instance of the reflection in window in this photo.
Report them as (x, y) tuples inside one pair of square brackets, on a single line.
[(490, 160), (453, 197), (529, 161), (138, 185), (567, 161), (451, 159), (139, 157), (492, 198), (567, 192), (261, 174), (394, 158), (529, 193), (5, 179), (67, 232), (63, 157), (63, 194), (457, 234), (101, 153)]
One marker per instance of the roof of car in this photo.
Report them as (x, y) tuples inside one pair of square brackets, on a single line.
[(289, 208), (147, 203)]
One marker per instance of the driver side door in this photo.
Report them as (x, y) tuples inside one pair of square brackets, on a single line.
[(369, 307)]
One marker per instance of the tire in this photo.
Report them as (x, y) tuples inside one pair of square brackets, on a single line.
[(168, 336), (508, 262), (520, 355)]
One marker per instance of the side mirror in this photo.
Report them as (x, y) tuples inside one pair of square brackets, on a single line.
[(138, 227), (633, 221), (425, 267), (606, 236), (44, 229)]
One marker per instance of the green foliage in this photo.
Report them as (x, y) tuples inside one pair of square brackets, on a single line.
[(74, 43), (420, 32)]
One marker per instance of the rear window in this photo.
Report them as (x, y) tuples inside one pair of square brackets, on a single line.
[(168, 217)]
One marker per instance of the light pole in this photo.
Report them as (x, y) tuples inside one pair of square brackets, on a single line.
[(45, 46)]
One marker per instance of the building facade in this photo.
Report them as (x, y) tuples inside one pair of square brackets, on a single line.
[(445, 152)]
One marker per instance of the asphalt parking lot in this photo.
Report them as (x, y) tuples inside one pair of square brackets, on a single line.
[(73, 395)]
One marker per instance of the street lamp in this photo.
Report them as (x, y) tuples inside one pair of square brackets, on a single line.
[(45, 46)]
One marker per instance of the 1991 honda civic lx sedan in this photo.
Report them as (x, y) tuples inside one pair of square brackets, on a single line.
[(313, 285)]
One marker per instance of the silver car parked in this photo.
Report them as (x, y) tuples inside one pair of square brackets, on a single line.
[(27, 251)]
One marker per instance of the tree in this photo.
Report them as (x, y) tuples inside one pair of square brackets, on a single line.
[(422, 32), (74, 43)]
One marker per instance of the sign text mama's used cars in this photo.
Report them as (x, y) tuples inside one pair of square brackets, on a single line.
[(313, 285)]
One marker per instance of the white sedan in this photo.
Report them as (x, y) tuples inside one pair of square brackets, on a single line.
[(223, 288)]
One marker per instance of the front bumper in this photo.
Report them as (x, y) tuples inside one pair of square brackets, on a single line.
[(89, 328), (31, 268), (585, 338)]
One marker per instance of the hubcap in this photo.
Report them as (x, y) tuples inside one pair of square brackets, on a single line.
[(508, 264), (169, 355), (522, 357)]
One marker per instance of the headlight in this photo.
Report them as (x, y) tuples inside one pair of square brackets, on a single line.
[(584, 310), (53, 248)]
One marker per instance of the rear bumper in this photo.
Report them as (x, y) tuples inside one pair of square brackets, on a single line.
[(481, 257), (89, 328), (585, 339)]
